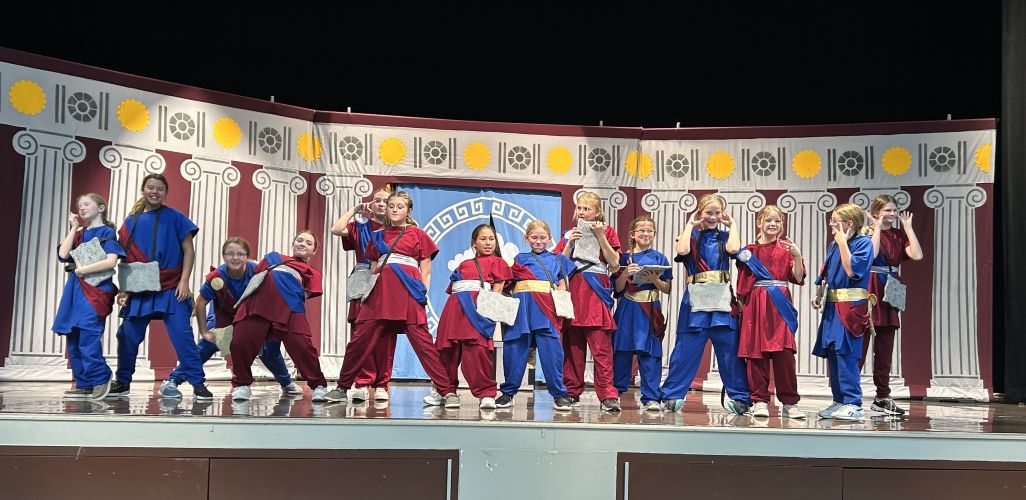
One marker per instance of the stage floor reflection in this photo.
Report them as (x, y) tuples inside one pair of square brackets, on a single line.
[(702, 409)]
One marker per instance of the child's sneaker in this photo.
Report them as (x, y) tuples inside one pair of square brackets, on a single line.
[(653, 406), (358, 394), (792, 411), (848, 412), (452, 400), (434, 399), (78, 393), (201, 393), (487, 403), (611, 404), (562, 403), (888, 406), (828, 412), (760, 409), (293, 389), (673, 404), (242, 393), (504, 401), (737, 407), (169, 389)]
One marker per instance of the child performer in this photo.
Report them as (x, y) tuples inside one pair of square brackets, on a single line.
[(706, 252), (355, 228), (891, 246), (535, 274), (592, 294), (397, 302), (84, 307), (221, 289), (769, 320), (276, 309), (640, 324), (155, 232), (846, 315), (463, 334)]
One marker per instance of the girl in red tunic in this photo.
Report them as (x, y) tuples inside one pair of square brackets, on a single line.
[(463, 334), (592, 327), (768, 319), (355, 228), (891, 246), (396, 303)]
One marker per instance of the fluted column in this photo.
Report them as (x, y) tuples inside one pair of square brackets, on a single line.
[(341, 192), (953, 330), (806, 226), (899, 389), (280, 188), (670, 209), (210, 183), (36, 353)]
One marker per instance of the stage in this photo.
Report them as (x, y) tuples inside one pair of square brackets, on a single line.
[(271, 446)]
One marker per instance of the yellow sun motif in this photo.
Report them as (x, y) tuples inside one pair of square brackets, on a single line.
[(896, 160), (27, 97), (720, 165), (638, 164), (309, 147), (392, 151), (227, 132), (559, 160), (806, 163), (982, 158), (476, 155), (133, 115)]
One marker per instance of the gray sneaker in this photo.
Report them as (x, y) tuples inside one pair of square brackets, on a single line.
[(99, 392), (77, 393), (335, 395), (888, 406), (169, 389)]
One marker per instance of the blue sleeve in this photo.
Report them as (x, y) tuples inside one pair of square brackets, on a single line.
[(861, 257), (667, 274), (207, 291), (567, 267), (111, 245), (623, 260), (210, 316), (726, 235), (184, 226)]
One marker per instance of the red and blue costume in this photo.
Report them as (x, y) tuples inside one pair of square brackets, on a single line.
[(276, 310), (639, 328), (377, 371), (886, 321), (82, 311)]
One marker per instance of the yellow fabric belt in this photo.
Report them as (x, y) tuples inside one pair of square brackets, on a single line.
[(532, 286), (849, 295), (710, 277), (643, 296)]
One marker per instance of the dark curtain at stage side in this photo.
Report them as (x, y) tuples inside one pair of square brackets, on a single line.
[(1011, 172)]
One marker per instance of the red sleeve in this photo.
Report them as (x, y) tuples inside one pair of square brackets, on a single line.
[(428, 248), (905, 244), (312, 281), (613, 238), (500, 271), (372, 252), (790, 275), (560, 246), (211, 275), (349, 240)]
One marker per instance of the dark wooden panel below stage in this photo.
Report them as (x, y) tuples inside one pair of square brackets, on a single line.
[(83, 478), (275, 479), (649, 475), (935, 484)]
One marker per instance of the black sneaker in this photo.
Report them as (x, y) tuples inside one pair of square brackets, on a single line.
[(888, 406), (610, 404), (118, 390), (201, 393), (575, 400), (562, 403), (504, 401)]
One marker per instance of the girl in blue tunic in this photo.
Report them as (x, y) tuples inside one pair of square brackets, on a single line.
[(640, 324), (84, 307), (154, 232), (846, 312), (706, 252)]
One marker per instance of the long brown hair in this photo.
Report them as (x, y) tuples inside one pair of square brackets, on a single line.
[(100, 202), (140, 204), (880, 202)]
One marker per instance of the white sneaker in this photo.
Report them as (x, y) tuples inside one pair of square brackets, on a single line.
[(792, 411), (760, 409), (380, 394), (653, 406), (358, 394), (848, 412), (319, 394), (292, 389), (242, 393), (434, 399), (828, 412), (487, 403), (169, 389), (452, 400)]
